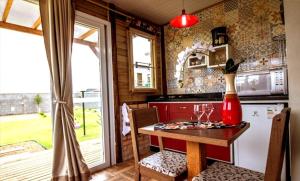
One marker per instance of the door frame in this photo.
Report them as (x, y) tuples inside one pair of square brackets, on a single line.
[(107, 79)]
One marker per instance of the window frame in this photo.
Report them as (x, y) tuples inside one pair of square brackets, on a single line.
[(133, 32)]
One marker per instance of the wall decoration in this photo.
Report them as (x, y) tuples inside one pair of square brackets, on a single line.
[(219, 36), (197, 50), (144, 26), (252, 28)]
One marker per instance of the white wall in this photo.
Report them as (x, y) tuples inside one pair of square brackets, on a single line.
[(292, 17)]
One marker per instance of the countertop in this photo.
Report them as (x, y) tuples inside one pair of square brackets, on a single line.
[(216, 97)]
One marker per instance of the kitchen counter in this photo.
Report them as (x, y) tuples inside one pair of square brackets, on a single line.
[(181, 107), (216, 97)]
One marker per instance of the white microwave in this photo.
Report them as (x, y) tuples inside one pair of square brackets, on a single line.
[(262, 82)]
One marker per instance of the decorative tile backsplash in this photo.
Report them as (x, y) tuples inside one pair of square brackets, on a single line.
[(256, 33)]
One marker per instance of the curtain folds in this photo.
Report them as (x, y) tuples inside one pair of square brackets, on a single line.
[(58, 18)]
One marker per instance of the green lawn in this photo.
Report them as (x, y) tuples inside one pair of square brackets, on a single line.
[(39, 128)]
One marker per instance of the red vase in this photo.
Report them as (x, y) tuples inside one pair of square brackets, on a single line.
[(232, 110)]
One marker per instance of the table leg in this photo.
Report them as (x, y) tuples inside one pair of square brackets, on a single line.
[(196, 158)]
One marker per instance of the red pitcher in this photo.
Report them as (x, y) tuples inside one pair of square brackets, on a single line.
[(232, 110)]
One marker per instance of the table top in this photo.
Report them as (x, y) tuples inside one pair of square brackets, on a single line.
[(219, 137)]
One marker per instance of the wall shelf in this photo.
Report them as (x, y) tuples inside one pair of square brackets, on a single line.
[(197, 60), (219, 57)]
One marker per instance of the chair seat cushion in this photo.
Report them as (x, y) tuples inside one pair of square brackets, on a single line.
[(219, 171), (166, 162)]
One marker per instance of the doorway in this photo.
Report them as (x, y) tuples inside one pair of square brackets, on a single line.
[(92, 90)]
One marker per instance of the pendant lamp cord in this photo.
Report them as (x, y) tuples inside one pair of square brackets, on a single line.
[(183, 4)]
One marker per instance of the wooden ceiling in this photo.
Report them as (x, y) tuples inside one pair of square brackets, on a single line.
[(161, 11), (157, 11)]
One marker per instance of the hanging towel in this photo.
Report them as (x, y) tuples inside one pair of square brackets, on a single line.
[(126, 122)]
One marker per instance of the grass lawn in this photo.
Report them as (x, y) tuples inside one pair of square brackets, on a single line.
[(39, 128)]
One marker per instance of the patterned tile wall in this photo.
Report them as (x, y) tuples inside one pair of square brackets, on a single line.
[(252, 27)]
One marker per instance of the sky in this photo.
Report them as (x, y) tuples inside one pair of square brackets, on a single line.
[(142, 47), (24, 67)]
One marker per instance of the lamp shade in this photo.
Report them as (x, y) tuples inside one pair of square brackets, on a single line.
[(184, 20)]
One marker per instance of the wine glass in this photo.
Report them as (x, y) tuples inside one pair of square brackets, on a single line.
[(198, 111), (209, 109)]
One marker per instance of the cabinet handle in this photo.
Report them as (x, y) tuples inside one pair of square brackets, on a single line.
[(154, 107), (182, 107), (166, 108)]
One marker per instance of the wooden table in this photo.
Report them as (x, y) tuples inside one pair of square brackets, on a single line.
[(195, 142)]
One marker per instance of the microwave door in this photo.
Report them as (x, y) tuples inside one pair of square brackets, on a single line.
[(255, 84)]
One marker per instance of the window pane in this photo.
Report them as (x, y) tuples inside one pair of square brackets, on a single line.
[(142, 62), (87, 95), (23, 13)]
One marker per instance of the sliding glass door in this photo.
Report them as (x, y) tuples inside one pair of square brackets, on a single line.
[(90, 90)]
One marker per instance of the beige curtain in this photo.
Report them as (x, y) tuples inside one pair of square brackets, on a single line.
[(58, 27)]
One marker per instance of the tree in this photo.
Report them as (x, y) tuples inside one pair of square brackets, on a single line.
[(38, 100)]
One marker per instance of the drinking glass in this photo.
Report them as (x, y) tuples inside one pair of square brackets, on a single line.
[(198, 111), (209, 109)]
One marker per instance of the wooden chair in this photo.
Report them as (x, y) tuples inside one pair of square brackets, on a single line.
[(221, 171), (164, 165)]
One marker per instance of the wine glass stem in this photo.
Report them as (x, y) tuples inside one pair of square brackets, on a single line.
[(208, 121), (199, 119)]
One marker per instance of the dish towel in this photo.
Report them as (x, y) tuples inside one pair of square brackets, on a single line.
[(126, 122)]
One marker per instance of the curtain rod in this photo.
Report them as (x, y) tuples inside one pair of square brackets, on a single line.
[(109, 9)]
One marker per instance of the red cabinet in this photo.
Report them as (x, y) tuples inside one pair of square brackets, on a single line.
[(163, 111), (169, 111), (181, 111)]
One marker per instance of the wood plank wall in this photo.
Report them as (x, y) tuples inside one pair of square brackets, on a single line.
[(120, 64), (92, 9), (125, 95), (126, 142), (123, 70)]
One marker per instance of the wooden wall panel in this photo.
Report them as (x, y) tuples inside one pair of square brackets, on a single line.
[(120, 63), (123, 70), (92, 9), (125, 95)]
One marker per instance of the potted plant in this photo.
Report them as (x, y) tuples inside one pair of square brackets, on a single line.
[(232, 110)]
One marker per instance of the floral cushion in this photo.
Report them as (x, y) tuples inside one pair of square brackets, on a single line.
[(166, 162), (219, 171)]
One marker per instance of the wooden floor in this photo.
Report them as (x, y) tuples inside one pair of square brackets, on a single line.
[(120, 172), (37, 166)]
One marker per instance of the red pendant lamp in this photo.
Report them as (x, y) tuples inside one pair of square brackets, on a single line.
[(184, 20)]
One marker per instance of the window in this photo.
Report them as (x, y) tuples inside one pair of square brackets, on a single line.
[(139, 80), (142, 68)]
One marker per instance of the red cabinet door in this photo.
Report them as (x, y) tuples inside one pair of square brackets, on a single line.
[(218, 152), (163, 112), (185, 111), (181, 111)]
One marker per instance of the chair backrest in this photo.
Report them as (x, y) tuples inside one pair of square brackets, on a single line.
[(278, 141), (140, 118)]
